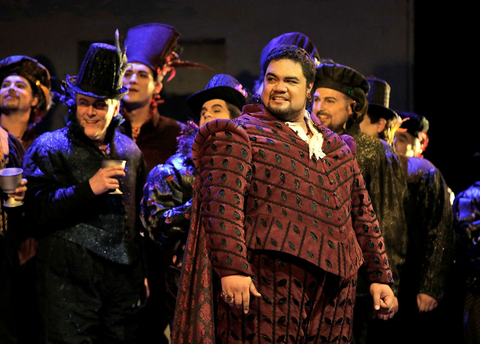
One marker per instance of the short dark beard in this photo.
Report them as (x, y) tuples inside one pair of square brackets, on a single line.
[(285, 115), (9, 109)]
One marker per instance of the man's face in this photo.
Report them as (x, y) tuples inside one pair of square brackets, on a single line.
[(332, 108), (285, 90), (213, 109), (95, 115), (16, 95), (407, 144), (141, 85)]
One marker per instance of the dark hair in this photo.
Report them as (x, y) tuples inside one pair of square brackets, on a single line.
[(234, 110), (391, 125), (296, 54)]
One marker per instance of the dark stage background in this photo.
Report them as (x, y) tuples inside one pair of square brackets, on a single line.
[(420, 48), (445, 75)]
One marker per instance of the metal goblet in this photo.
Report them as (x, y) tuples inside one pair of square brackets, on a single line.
[(113, 162), (10, 179)]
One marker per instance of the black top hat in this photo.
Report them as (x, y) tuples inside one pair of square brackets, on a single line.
[(379, 92), (101, 73), (379, 99), (343, 79), (33, 71), (221, 86), (151, 44), (415, 123)]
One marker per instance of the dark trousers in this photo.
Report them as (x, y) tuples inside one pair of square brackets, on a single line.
[(85, 298), (8, 320), (154, 316), (440, 325)]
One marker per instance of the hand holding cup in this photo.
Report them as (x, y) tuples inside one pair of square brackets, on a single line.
[(10, 181), (112, 162)]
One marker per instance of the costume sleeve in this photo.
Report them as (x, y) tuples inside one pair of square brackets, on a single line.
[(51, 197), (13, 229), (438, 241), (222, 155), (166, 205), (350, 141), (376, 265), (387, 187), (15, 152)]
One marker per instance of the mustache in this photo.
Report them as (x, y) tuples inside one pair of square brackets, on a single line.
[(277, 93), (322, 114)]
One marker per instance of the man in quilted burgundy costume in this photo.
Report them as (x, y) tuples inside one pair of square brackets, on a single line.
[(280, 224)]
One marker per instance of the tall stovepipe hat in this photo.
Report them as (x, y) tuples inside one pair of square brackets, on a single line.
[(101, 72)]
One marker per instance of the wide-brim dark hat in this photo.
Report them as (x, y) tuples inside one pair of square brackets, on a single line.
[(101, 73), (221, 86), (414, 124), (32, 70)]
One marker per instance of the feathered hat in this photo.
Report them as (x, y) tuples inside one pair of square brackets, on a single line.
[(154, 45), (101, 72)]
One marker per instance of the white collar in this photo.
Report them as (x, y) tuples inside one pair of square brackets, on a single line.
[(315, 142)]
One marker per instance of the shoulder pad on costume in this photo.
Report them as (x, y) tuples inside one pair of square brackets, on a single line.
[(350, 141)]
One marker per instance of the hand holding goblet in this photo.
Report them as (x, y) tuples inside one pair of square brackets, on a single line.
[(113, 162), (10, 180)]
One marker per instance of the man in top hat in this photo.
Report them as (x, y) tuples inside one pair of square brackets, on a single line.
[(90, 272), (168, 192), (340, 102), (25, 96), (430, 237), (151, 55), (380, 121)]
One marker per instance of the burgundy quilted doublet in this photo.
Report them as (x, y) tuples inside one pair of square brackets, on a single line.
[(261, 190)]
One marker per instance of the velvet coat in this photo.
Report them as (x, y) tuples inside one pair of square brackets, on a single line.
[(258, 189), (58, 166)]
